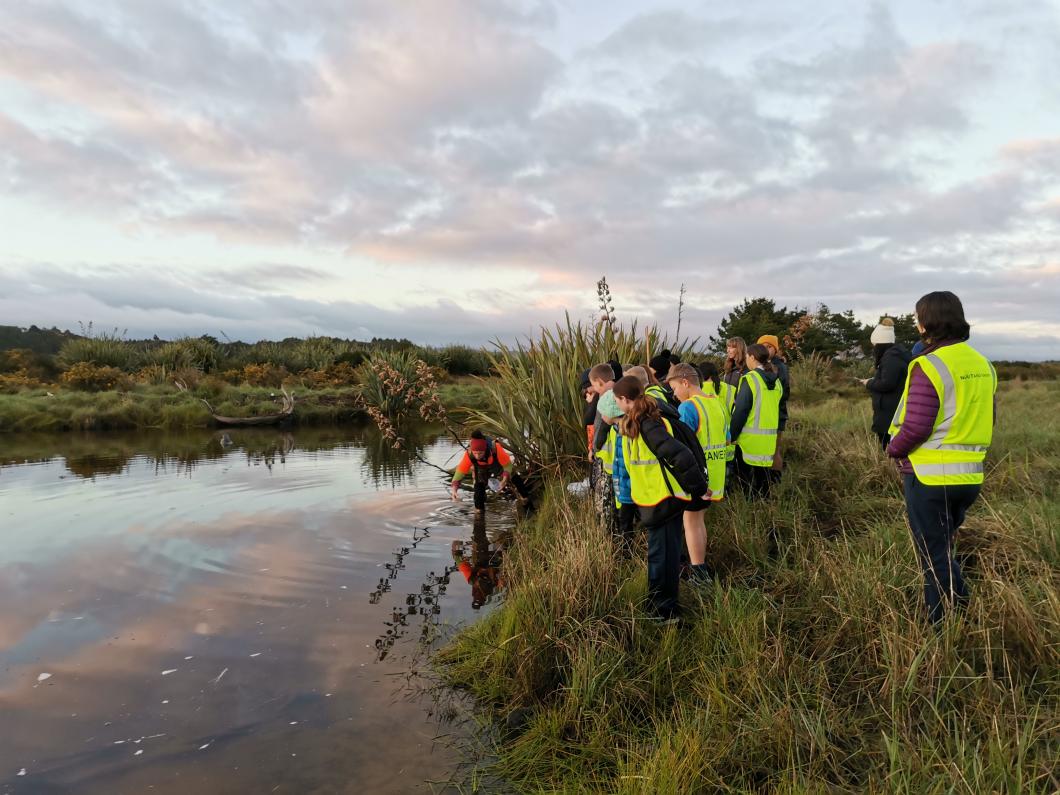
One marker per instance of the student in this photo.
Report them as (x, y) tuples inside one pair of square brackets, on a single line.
[(892, 362), (735, 361), (664, 476), (708, 416), (601, 379), (713, 385), (614, 464), (654, 390), (756, 420), (484, 459), (940, 435), (773, 346)]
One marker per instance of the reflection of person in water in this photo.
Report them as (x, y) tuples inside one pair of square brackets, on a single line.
[(485, 459), (480, 562)]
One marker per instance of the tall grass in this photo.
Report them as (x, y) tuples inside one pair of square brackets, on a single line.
[(105, 348), (188, 353), (808, 668), (533, 400)]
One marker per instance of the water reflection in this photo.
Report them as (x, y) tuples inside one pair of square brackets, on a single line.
[(199, 607), (480, 561)]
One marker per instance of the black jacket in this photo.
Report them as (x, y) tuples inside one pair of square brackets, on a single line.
[(887, 385), (741, 410), (680, 462), (785, 381)]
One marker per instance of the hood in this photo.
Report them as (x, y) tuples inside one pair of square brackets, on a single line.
[(770, 378)]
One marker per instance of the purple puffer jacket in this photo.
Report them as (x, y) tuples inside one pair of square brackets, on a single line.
[(921, 411)]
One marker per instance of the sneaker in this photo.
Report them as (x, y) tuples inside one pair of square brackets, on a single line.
[(663, 621)]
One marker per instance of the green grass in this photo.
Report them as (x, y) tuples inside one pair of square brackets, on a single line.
[(164, 407), (807, 669)]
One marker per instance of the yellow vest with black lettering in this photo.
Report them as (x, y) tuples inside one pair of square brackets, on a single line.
[(713, 433), (964, 427), (758, 439), (650, 482), (727, 393), (606, 454)]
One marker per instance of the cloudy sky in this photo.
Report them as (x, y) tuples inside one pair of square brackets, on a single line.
[(455, 170)]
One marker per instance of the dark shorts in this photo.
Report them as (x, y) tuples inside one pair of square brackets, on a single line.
[(697, 504)]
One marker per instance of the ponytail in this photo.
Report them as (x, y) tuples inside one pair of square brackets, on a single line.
[(644, 406), (761, 355)]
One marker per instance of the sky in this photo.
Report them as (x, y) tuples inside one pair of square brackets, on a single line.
[(465, 170)]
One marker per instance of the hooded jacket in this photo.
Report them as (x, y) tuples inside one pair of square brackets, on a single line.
[(680, 462), (887, 385), (741, 410)]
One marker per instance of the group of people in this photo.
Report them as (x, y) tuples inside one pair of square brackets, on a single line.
[(671, 438)]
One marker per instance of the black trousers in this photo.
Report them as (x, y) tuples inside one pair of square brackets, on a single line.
[(481, 483), (627, 516), (935, 515), (884, 438), (752, 480), (664, 565)]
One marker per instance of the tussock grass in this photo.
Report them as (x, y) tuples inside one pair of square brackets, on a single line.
[(808, 668)]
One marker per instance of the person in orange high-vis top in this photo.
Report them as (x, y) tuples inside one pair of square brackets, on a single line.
[(485, 459)]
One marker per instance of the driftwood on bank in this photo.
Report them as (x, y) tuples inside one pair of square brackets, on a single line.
[(286, 410)]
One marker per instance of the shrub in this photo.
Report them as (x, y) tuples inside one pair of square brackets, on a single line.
[(10, 383), (464, 360), (264, 375), (104, 349), (339, 374), (93, 377), (154, 374), (197, 353)]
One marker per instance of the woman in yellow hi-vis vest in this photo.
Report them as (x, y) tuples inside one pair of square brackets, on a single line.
[(664, 476), (706, 414), (755, 420), (940, 434)]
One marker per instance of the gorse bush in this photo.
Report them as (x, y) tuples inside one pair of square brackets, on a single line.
[(92, 377), (809, 667), (534, 402)]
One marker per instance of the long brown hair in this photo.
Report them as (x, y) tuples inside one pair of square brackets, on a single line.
[(644, 406), (741, 356), (760, 353)]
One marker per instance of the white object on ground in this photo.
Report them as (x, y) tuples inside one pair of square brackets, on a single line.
[(579, 488), (42, 677)]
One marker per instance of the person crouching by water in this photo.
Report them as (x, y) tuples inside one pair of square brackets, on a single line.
[(755, 421), (892, 362), (485, 459), (940, 434), (708, 416), (664, 477)]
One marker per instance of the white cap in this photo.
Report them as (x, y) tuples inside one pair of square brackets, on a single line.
[(884, 333)]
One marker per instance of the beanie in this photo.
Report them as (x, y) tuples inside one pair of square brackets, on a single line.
[(883, 334), (478, 445), (608, 406), (769, 339)]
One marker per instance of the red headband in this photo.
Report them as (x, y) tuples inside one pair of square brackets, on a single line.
[(478, 446)]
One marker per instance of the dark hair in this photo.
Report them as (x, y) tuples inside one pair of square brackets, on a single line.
[(942, 316), (760, 353), (477, 434), (709, 371), (879, 349), (644, 406)]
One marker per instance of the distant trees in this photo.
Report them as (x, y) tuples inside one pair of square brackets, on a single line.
[(820, 331)]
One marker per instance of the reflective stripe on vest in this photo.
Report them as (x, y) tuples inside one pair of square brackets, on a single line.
[(758, 438), (712, 433), (606, 454), (649, 481), (965, 382)]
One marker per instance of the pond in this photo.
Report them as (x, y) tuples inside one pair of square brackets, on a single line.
[(241, 611)]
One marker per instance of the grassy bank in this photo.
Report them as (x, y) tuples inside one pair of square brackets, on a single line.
[(147, 406), (807, 669)]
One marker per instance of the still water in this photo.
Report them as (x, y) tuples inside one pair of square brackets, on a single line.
[(246, 611)]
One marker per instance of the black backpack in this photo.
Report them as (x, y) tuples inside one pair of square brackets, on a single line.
[(688, 438)]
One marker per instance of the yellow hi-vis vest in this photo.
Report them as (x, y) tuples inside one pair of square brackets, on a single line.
[(758, 439), (713, 433), (607, 453), (656, 392), (965, 381), (727, 393), (650, 482)]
